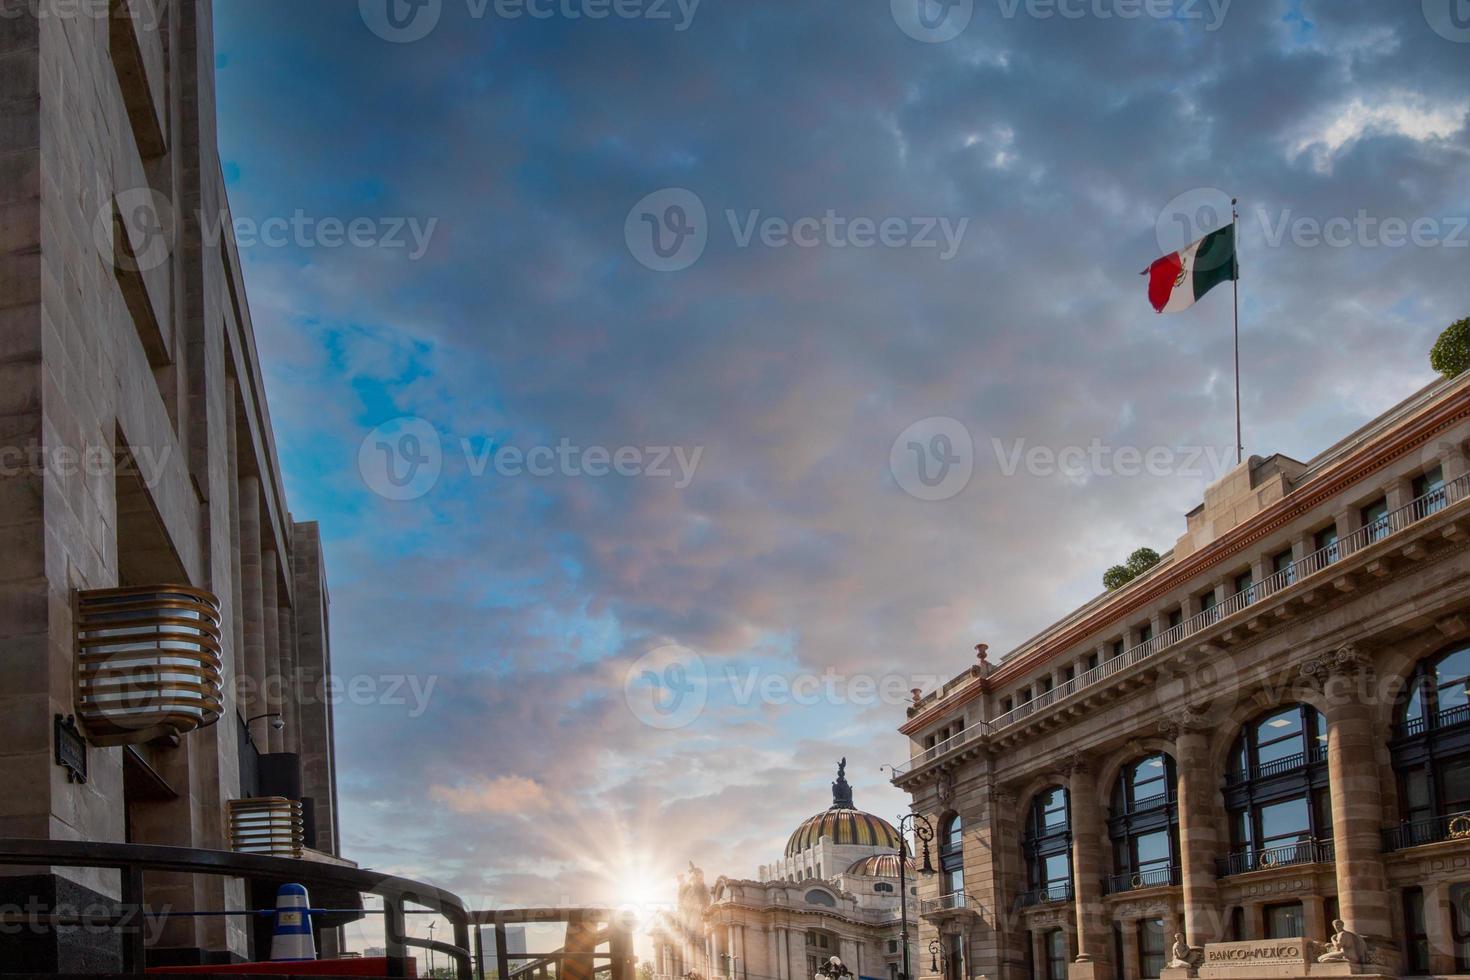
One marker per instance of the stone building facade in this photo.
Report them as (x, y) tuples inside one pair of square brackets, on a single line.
[(139, 486), (1266, 734), (833, 892)]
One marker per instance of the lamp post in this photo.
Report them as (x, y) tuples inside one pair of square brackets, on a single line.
[(935, 946), (923, 834), (431, 948)]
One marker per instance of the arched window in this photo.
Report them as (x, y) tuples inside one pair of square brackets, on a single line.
[(1431, 750), (818, 897), (952, 862), (1048, 847), (1277, 794), (1144, 826), (883, 888)]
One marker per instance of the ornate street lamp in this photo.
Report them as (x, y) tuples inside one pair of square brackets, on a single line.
[(923, 832), (935, 946)]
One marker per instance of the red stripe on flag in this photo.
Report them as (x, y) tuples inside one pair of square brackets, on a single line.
[(1163, 276)]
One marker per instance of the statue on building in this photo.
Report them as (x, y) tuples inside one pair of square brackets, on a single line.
[(834, 968), (1344, 947), (842, 790), (1185, 956)]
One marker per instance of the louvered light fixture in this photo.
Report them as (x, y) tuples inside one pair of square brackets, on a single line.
[(148, 662), (267, 825)]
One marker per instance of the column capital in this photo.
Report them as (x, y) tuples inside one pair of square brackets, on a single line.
[(1348, 660), (1076, 765), (1185, 721)]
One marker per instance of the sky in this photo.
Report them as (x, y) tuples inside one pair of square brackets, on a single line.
[(678, 385)]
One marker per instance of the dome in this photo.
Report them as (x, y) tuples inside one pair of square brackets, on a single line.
[(845, 825), (879, 866), (843, 822)]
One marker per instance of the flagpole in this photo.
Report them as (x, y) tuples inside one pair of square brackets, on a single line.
[(1235, 230)]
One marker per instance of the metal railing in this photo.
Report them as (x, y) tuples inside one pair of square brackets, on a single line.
[(944, 903), (1132, 881), (1284, 855), (1297, 571), (1316, 755), (132, 860), (599, 944), (1431, 830), (1057, 892), (1445, 718)]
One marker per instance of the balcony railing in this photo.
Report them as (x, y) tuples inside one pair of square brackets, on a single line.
[(1284, 855), (1446, 718), (1045, 895), (1297, 571), (1132, 881), (148, 662), (1316, 755), (945, 903), (1432, 830)]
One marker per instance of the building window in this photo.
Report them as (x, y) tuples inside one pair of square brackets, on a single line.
[(1207, 603), (1326, 542), (1430, 756), (1429, 495), (1144, 825), (1145, 633), (1176, 617), (1151, 947), (1375, 520), (815, 897), (954, 965), (883, 888), (1277, 792), (1024, 695), (1006, 705), (1284, 921), (1416, 937), (1092, 661), (952, 860), (1284, 565), (1046, 685), (1118, 647), (1048, 847), (1055, 943), (1246, 584), (1069, 675)]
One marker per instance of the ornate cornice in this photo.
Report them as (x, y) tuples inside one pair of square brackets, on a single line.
[(1347, 661)]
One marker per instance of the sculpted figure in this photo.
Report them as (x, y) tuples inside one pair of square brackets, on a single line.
[(1344, 947), (1186, 957)]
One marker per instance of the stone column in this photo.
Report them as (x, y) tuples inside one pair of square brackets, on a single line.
[(1399, 493), (1452, 460), (1199, 843), (290, 695), (1439, 929), (1357, 809), (270, 577), (253, 703), (1087, 866), (1314, 918)]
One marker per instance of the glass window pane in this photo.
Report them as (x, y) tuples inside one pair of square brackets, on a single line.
[(1454, 784), (1057, 868), (1285, 822), (1153, 850), (1450, 676)]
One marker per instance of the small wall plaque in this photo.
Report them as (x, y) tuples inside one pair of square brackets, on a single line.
[(71, 749)]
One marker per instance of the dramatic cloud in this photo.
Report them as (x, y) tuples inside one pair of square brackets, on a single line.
[(537, 538)]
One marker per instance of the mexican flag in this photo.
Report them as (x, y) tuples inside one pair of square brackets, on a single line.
[(1176, 282)]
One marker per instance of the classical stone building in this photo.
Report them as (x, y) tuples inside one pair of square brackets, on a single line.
[(163, 619), (833, 892), (1266, 733)]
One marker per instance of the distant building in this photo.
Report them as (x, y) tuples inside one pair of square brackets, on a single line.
[(833, 892), (1265, 734)]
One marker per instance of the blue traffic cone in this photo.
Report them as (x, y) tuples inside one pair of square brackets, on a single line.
[(292, 940)]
